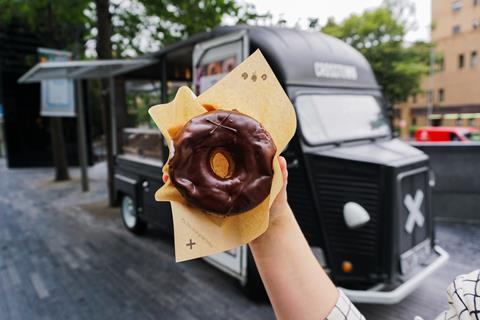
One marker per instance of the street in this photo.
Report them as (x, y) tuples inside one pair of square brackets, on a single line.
[(64, 255)]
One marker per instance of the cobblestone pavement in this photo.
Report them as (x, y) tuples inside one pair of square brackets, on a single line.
[(64, 255)]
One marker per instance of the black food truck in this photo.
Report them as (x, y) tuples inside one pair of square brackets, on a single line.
[(360, 195)]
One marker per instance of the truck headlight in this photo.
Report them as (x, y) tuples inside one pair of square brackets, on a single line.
[(355, 215)]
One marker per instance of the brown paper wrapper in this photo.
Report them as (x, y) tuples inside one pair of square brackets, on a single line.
[(252, 89)]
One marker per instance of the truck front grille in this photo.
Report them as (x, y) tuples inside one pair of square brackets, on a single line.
[(338, 183), (301, 200)]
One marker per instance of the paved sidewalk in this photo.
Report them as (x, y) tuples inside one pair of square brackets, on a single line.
[(59, 262), (64, 255)]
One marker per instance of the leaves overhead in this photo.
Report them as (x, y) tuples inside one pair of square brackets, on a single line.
[(61, 22), (167, 21), (181, 18), (139, 26), (379, 35)]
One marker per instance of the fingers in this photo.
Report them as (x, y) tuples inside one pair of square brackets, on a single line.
[(283, 167), (165, 177), (281, 199)]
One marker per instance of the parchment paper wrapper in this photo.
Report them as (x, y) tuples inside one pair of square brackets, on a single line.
[(252, 89)]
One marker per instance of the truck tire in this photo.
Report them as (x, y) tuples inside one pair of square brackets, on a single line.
[(253, 287), (130, 217)]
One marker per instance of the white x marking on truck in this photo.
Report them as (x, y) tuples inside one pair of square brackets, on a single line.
[(415, 216)]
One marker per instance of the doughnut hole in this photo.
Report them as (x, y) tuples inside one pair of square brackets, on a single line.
[(222, 163)]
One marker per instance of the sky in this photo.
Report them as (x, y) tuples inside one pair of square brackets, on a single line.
[(298, 11)]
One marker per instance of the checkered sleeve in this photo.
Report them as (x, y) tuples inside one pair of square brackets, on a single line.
[(463, 298), (344, 309)]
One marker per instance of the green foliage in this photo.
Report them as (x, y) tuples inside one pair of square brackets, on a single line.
[(411, 130), (313, 23), (138, 103), (181, 18), (167, 21), (379, 36), (60, 22), (139, 26)]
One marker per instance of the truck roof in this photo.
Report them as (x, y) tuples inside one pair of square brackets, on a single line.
[(303, 58)]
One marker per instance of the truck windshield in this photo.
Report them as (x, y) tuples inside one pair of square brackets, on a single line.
[(329, 118)]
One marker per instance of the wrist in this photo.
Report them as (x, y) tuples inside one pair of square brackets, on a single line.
[(280, 218)]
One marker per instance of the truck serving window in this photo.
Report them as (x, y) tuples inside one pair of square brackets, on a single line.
[(329, 118), (141, 140)]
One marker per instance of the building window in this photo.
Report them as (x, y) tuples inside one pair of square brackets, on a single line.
[(458, 122), (441, 64), (476, 2), (457, 5), (414, 98), (414, 121), (441, 95), (473, 59), (437, 122), (476, 23), (456, 29), (461, 61), (429, 96)]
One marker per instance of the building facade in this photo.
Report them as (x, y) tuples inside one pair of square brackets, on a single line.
[(452, 96)]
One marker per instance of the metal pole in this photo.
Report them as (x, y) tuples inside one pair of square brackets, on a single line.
[(432, 86), (113, 115), (163, 79), (82, 136), (2, 111)]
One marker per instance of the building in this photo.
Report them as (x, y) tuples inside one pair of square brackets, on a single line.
[(454, 90)]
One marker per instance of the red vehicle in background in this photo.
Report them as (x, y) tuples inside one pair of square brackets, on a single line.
[(445, 134)]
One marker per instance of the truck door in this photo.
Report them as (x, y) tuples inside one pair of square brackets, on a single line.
[(212, 60)]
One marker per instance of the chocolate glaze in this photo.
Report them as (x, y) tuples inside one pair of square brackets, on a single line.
[(249, 146)]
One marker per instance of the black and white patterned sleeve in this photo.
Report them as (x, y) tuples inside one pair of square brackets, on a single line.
[(344, 309), (463, 298)]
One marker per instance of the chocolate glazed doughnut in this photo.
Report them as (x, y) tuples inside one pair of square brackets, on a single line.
[(242, 142)]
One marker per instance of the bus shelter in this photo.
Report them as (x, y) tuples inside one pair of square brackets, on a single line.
[(159, 73), (88, 70)]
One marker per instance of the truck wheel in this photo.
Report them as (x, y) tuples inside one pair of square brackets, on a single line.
[(254, 288), (130, 217)]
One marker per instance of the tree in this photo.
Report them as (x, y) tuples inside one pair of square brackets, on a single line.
[(104, 51), (379, 36), (61, 24), (313, 23), (140, 26)]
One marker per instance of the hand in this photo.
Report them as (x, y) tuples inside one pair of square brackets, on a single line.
[(165, 177), (280, 203)]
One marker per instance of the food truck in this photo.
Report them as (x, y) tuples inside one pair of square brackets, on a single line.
[(361, 196)]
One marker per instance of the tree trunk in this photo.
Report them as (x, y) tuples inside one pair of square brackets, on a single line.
[(58, 149), (56, 128), (104, 51)]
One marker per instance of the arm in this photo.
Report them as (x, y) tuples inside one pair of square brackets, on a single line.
[(296, 284)]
